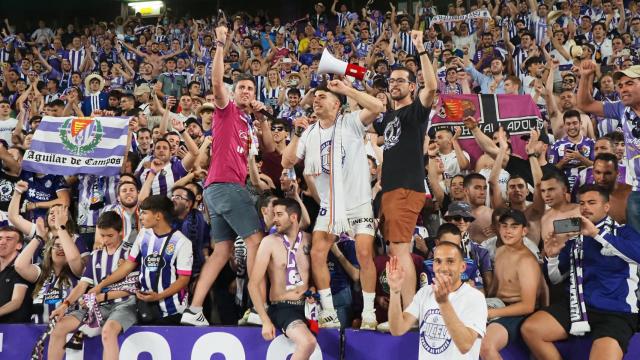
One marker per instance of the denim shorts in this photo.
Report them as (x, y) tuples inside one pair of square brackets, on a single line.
[(231, 211)]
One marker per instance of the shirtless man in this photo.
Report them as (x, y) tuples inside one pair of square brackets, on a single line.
[(475, 187), (153, 57), (518, 277), (605, 174), (554, 191), (289, 278), (567, 101)]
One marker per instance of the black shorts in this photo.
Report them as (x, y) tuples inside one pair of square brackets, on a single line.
[(282, 314), (619, 326), (512, 325)]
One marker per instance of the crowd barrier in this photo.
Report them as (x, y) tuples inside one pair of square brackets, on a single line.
[(240, 343)]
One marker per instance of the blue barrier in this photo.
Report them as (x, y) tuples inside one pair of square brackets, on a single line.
[(240, 343)]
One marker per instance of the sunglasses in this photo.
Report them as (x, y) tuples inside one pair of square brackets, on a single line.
[(457, 218), (277, 128)]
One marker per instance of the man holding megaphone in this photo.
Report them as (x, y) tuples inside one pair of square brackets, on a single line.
[(333, 152)]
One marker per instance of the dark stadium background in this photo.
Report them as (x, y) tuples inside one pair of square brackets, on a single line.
[(25, 13)]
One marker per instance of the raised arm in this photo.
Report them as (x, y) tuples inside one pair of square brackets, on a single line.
[(430, 82), (372, 107), (25, 226), (218, 88), (586, 102)]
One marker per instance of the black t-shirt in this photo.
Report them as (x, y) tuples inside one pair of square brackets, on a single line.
[(520, 166), (7, 183), (9, 278), (403, 131)]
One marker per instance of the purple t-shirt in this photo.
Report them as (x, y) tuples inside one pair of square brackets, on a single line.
[(628, 118), (572, 168)]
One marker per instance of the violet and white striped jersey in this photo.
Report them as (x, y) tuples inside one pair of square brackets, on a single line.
[(101, 265), (94, 192), (76, 57), (176, 260), (130, 222), (164, 180)]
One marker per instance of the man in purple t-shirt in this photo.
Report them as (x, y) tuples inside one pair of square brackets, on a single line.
[(230, 207), (628, 111)]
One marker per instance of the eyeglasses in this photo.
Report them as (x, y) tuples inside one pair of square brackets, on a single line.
[(174, 197), (568, 80), (56, 247), (277, 128), (398, 81)]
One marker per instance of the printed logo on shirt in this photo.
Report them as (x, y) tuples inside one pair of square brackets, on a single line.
[(170, 249), (153, 262), (392, 133), (325, 147), (434, 336)]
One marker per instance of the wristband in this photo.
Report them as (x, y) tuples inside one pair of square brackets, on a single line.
[(424, 52), (39, 238), (66, 302), (181, 131), (532, 154), (219, 43), (106, 297)]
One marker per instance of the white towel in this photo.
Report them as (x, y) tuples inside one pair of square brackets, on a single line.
[(338, 222)]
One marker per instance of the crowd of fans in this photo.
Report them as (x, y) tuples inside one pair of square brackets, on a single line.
[(231, 155)]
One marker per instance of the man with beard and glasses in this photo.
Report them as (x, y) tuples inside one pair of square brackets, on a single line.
[(284, 256), (403, 172), (574, 151), (191, 223), (451, 314), (628, 111)]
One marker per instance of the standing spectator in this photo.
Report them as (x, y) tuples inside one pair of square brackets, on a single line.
[(230, 208), (7, 123), (403, 172)]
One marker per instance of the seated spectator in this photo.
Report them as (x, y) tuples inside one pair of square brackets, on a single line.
[(116, 306), (15, 304), (517, 280)]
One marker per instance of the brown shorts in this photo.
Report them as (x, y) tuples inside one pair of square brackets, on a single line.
[(399, 213)]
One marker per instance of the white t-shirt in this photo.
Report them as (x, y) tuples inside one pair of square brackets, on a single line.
[(435, 342), (355, 166), (6, 128), (450, 162)]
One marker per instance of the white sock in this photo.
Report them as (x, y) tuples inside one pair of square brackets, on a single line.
[(367, 301), (326, 299), (195, 309)]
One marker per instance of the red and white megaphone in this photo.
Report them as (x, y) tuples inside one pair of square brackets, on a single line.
[(331, 65)]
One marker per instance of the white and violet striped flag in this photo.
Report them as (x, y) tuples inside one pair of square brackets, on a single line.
[(78, 145)]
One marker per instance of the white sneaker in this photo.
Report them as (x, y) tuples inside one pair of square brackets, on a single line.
[(384, 327), (254, 318), (328, 319), (245, 317), (194, 319), (369, 321)]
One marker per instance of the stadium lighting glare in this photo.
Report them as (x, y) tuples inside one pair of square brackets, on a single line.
[(147, 8)]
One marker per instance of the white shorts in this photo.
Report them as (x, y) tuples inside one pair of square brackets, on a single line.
[(360, 220)]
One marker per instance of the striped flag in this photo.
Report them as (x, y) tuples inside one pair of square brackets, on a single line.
[(78, 145)]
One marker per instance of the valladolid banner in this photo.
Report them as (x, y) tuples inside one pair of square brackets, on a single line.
[(78, 145)]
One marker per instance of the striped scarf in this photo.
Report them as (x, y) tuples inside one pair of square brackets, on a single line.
[(338, 221)]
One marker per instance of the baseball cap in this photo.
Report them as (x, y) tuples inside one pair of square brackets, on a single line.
[(459, 208), (192, 120), (515, 215), (632, 72)]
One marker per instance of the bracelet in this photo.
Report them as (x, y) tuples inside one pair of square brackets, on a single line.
[(424, 52), (181, 131), (534, 154), (298, 132), (38, 237), (219, 43), (106, 297), (66, 302)]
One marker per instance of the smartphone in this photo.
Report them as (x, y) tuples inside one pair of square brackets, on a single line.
[(291, 174), (563, 226)]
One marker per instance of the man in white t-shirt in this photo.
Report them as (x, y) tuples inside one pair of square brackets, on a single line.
[(341, 177), (7, 123), (452, 315), (453, 157)]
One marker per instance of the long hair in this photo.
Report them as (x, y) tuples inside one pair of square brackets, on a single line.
[(72, 228), (64, 279)]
